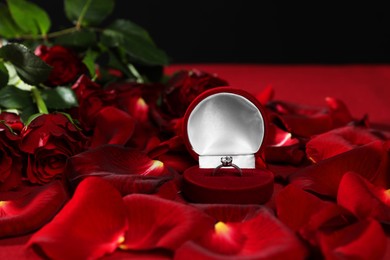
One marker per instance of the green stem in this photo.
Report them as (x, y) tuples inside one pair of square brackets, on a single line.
[(39, 101), (82, 14), (135, 73), (47, 36)]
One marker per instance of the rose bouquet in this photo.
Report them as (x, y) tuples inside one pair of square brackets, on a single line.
[(92, 155)]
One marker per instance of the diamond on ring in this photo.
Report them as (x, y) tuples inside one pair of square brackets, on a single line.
[(227, 160)]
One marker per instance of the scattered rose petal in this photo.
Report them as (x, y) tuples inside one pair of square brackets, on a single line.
[(282, 171), (261, 237), (337, 141), (170, 190), (113, 126), (302, 120), (306, 213), (90, 225), (281, 147), (306, 121), (127, 169), (28, 209), (370, 161), (179, 161), (338, 111), (271, 203), (266, 95), (364, 199), (230, 212), (362, 240), (158, 223)]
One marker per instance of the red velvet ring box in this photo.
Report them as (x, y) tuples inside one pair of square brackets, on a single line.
[(226, 123)]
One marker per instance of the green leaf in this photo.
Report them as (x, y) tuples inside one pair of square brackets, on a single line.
[(30, 68), (88, 12), (29, 17), (89, 61), (81, 39), (135, 41), (59, 98), (29, 114), (12, 97), (8, 28), (3, 75)]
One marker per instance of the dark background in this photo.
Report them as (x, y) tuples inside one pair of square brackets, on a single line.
[(257, 31)]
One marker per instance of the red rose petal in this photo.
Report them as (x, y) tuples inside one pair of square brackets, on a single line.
[(261, 237), (303, 120), (170, 190), (179, 161), (230, 212), (338, 111), (282, 147), (90, 225), (337, 141), (266, 95), (363, 198), (113, 126), (306, 213), (28, 209), (362, 240), (370, 161), (158, 223), (129, 170)]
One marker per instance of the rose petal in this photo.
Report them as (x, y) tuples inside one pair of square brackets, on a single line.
[(261, 237), (28, 209), (230, 212), (302, 120), (170, 190), (362, 240), (363, 198), (142, 255), (113, 126), (129, 170), (12, 120), (90, 225), (282, 172), (281, 147), (159, 223), (337, 141), (339, 112), (266, 95), (370, 161), (306, 213), (179, 161)]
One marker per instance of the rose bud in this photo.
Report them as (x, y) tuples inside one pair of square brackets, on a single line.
[(184, 87), (66, 65), (49, 140)]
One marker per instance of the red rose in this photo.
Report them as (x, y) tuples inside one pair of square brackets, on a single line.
[(185, 86), (66, 65), (90, 96), (49, 140), (10, 164)]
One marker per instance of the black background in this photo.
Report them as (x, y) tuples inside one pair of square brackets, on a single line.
[(257, 31)]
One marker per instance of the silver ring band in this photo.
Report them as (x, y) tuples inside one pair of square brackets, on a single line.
[(227, 161)]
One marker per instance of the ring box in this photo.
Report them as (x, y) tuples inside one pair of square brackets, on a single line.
[(221, 123)]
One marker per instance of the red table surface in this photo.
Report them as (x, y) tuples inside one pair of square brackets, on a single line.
[(364, 88)]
